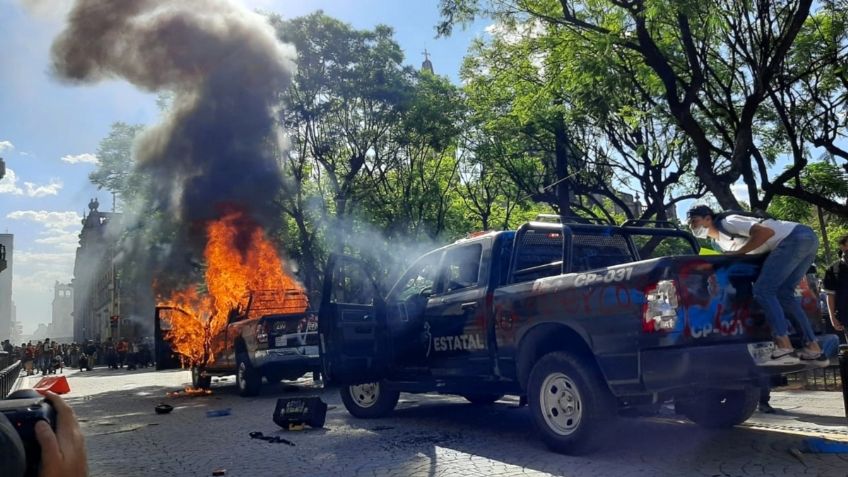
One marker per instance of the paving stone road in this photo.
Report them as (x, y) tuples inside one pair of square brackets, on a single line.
[(428, 435)]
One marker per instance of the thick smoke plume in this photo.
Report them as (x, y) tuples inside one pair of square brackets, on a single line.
[(224, 68)]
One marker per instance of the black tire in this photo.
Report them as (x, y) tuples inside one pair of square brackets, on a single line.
[(198, 381), (248, 380), (720, 409), (576, 421), (482, 399), (369, 400)]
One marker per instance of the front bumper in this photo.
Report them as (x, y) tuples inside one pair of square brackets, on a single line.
[(305, 356)]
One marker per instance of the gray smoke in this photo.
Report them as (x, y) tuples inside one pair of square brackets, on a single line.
[(224, 68)]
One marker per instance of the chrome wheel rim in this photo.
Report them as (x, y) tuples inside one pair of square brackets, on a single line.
[(562, 406), (365, 395)]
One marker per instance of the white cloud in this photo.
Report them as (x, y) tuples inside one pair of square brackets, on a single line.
[(86, 158), (9, 184), (53, 10), (33, 190), (51, 220), (6, 145), (36, 272), (60, 240)]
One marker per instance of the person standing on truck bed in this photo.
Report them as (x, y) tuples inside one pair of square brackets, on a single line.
[(791, 247), (835, 286)]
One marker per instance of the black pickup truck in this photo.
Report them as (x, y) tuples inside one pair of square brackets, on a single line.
[(582, 321)]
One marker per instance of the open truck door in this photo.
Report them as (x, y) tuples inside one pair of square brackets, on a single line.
[(165, 356), (352, 326)]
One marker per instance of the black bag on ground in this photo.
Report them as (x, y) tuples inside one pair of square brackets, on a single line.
[(310, 410)]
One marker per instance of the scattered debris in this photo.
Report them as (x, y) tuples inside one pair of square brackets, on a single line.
[(382, 428), (189, 392), (798, 455), (219, 472), (272, 439), (820, 445), (219, 413), (129, 428), (163, 408)]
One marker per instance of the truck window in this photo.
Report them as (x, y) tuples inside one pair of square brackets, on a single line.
[(352, 285), (654, 246), (462, 267), (419, 279), (591, 251), (538, 255)]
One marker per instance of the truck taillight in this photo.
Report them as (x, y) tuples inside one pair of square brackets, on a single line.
[(659, 312), (262, 332)]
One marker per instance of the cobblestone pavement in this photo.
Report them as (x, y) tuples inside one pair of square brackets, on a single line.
[(428, 435)]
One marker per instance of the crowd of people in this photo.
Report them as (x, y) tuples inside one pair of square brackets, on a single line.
[(50, 357)]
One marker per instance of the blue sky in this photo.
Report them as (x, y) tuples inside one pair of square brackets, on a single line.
[(49, 131)]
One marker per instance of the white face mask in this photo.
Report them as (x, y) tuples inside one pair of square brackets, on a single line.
[(700, 232)]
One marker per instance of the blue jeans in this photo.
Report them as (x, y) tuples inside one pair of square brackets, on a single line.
[(782, 270)]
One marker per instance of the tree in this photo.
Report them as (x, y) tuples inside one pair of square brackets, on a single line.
[(716, 63), (558, 113), (350, 88), (116, 169)]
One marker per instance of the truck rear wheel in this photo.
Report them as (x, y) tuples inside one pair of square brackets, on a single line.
[(369, 400), (570, 403), (247, 379), (720, 408)]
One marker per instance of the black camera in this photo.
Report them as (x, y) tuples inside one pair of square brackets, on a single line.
[(23, 409)]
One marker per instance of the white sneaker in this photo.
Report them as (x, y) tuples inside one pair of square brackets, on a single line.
[(808, 355), (782, 357)]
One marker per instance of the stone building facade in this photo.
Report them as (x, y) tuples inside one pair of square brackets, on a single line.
[(62, 326), (103, 305)]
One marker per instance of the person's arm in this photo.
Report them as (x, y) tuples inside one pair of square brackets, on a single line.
[(831, 311), (758, 236), (63, 452)]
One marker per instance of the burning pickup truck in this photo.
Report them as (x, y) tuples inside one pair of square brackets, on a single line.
[(582, 321), (273, 336)]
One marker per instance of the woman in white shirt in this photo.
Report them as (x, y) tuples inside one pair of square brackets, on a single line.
[(791, 247)]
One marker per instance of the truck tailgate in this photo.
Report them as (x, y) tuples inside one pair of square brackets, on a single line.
[(717, 302)]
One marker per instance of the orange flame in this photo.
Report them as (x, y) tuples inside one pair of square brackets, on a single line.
[(244, 275)]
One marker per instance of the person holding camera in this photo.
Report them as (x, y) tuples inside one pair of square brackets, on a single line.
[(63, 451)]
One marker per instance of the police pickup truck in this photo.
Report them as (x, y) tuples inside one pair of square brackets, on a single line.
[(273, 337), (583, 321)]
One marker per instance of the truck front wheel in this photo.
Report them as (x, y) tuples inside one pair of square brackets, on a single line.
[(720, 408), (199, 380), (248, 379), (570, 403), (369, 400)]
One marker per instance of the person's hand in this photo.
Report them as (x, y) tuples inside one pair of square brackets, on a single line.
[(837, 325), (63, 452)]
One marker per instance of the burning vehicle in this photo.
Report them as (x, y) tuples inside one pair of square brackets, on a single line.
[(249, 318)]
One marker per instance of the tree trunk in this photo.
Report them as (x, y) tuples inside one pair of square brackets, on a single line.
[(562, 152)]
